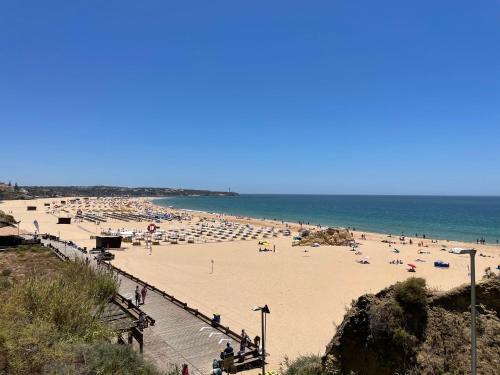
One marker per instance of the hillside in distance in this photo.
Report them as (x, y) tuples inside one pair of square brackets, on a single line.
[(111, 191)]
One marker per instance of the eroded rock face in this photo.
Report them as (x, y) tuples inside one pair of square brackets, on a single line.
[(381, 335), (330, 236)]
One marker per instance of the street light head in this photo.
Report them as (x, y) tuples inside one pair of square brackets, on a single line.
[(264, 309)]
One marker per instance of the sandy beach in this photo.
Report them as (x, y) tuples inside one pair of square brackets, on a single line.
[(307, 289)]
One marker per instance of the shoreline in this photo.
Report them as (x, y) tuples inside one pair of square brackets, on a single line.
[(296, 226)]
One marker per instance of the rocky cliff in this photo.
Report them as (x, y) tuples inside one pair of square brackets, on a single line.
[(407, 329)]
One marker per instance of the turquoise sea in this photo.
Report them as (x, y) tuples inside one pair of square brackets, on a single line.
[(453, 218)]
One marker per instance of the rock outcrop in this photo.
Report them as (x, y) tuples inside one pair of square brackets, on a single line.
[(406, 329), (330, 236)]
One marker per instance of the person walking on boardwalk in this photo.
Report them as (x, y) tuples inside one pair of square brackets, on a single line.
[(243, 342), (137, 296), (144, 291)]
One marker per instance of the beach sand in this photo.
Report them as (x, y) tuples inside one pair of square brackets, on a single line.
[(307, 292)]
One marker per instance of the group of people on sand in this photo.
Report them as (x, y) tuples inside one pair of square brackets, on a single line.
[(396, 261), (140, 295)]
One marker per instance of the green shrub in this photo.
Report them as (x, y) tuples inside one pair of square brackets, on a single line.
[(39, 317), (303, 365), (30, 248), (112, 359), (411, 292), (405, 340)]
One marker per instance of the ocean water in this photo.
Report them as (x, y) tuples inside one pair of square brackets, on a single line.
[(453, 218)]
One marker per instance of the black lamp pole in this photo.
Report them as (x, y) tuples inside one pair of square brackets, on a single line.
[(263, 311)]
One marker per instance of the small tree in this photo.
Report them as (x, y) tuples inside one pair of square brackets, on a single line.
[(16, 187)]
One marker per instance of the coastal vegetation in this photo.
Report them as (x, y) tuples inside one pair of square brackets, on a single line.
[(304, 365), (27, 192), (49, 318), (11, 191)]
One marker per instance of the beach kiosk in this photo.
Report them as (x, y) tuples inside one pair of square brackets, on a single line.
[(108, 242), (63, 220)]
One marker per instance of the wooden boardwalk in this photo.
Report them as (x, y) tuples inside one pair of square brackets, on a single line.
[(178, 335)]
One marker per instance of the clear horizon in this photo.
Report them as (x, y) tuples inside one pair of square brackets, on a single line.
[(349, 98), (246, 193)]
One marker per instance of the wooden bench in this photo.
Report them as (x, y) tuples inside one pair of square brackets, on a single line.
[(228, 364)]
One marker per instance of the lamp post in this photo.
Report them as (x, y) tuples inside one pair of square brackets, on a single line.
[(472, 253), (263, 310)]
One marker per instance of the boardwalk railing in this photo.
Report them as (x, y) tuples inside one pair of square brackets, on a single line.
[(252, 353), (229, 332)]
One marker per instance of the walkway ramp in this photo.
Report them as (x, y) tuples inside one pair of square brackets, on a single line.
[(180, 334)]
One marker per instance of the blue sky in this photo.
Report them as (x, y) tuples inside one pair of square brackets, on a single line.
[(381, 97)]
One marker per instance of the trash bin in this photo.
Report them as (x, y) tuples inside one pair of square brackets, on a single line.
[(216, 319)]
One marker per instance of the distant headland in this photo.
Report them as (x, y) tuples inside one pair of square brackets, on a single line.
[(9, 191)]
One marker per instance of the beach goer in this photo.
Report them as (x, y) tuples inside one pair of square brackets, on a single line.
[(256, 342), (244, 341), (142, 321), (144, 291), (216, 370), (137, 295), (229, 350), (185, 369)]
